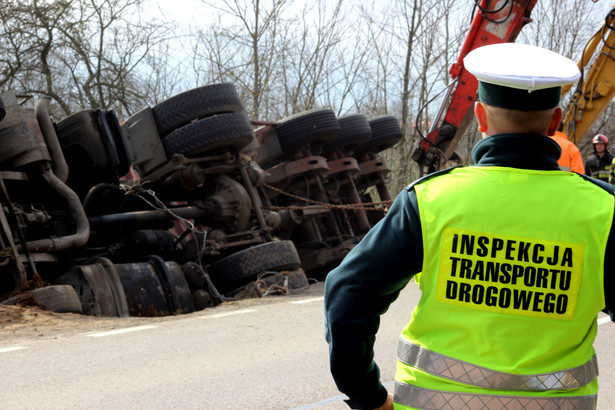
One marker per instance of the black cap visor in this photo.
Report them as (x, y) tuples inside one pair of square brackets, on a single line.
[(517, 99)]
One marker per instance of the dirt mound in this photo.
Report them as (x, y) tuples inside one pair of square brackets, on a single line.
[(35, 323), (32, 322)]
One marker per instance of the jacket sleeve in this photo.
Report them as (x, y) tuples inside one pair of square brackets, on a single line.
[(361, 289)]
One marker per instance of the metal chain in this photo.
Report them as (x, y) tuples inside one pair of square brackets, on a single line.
[(374, 206)]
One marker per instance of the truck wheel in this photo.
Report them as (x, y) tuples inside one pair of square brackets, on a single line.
[(244, 266), (218, 131), (174, 285), (55, 298), (145, 295), (315, 127), (98, 287), (202, 299), (194, 104), (354, 131), (195, 276), (386, 132)]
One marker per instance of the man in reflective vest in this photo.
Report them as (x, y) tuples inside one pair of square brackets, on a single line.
[(513, 273)]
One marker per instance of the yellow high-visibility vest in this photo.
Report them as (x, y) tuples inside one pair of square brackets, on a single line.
[(512, 283)]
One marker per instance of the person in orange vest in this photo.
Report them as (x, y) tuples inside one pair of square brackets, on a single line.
[(571, 159)]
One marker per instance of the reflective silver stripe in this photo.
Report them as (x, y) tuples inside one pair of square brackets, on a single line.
[(427, 399), (471, 374)]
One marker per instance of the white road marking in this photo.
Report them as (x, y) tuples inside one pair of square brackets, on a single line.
[(604, 320), (11, 349), (120, 331), (236, 312), (321, 403), (301, 302)]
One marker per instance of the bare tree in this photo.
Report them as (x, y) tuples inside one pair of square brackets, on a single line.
[(564, 26), (29, 42), (242, 51), (415, 48), (312, 62), (82, 53)]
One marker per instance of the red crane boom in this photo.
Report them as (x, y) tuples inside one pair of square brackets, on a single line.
[(494, 22)]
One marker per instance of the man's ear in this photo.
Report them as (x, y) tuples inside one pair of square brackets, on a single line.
[(556, 119), (480, 112)]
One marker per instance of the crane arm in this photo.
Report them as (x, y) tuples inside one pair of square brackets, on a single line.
[(596, 88), (494, 22)]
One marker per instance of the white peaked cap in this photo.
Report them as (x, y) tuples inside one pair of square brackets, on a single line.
[(521, 66)]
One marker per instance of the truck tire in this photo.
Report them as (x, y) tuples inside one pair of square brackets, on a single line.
[(174, 285), (55, 298), (195, 276), (145, 295), (202, 299), (244, 266), (98, 288), (386, 132), (194, 104), (314, 127), (210, 133), (354, 131)]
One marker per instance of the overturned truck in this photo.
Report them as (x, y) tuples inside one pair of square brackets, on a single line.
[(181, 206)]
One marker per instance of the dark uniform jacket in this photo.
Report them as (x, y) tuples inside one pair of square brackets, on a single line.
[(594, 164), (371, 276)]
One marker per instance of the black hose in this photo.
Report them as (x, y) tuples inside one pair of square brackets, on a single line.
[(608, 18), (485, 11), (143, 217)]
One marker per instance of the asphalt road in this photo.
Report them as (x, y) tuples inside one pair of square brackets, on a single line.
[(254, 354)]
